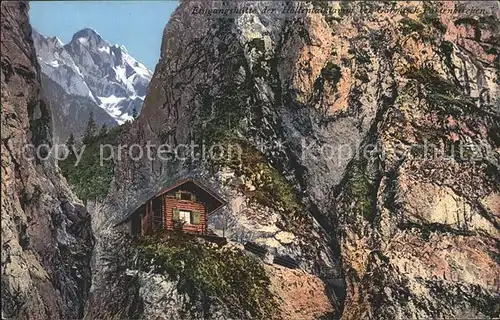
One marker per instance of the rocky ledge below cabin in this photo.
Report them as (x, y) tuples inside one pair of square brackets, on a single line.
[(180, 276)]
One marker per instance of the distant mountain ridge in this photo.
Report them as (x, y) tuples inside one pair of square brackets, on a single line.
[(89, 75)]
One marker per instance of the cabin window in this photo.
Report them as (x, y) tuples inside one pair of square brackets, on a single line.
[(185, 216), (196, 218), (183, 195)]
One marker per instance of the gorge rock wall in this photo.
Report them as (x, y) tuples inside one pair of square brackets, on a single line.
[(46, 235)]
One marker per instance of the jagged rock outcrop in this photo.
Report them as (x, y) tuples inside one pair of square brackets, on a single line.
[(89, 75), (336, 111), (46, 235)]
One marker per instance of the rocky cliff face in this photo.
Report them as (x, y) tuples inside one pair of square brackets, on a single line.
[(369, 141), (46, 235), (89, 75)]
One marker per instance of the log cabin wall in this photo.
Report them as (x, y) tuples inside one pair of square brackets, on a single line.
[(157, 214), (171, 203), (146, 219)]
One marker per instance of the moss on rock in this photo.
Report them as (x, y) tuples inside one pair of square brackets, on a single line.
[(271, 188), (360, 189), (409, 25), (430, 16), (209, 274)]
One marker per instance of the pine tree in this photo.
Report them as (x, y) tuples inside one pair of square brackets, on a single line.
[(134, 113), (90, 131), (71, 141), (103, 131)]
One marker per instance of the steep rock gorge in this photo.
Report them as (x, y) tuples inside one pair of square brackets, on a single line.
[(369, 153), (46, 236)]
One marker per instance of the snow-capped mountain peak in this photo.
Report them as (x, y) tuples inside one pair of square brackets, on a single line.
[(88, 66), (56, 42), (87, 37)]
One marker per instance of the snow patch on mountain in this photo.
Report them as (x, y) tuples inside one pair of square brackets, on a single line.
[(104, 49), (59, 41), (112, 106), (83, 41)]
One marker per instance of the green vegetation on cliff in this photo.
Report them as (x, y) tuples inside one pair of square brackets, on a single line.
[(89, 179), (253, 166), (207, 273), (360, 188), (430, 16)]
